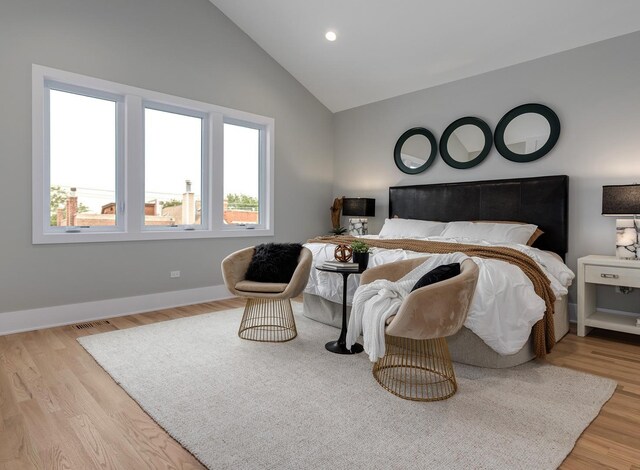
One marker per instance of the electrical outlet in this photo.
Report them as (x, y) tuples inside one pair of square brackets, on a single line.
[(174, 274), (623, 290)]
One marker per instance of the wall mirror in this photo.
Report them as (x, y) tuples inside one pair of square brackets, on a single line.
[(466, 142), (527, 132), (415, 150)]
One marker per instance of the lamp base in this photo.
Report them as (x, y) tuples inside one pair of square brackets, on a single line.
[(358, 227), (627, 246)]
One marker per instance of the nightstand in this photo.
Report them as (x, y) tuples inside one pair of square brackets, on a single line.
[(606, 270)]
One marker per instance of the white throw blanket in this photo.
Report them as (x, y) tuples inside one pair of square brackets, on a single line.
[(375, 302)]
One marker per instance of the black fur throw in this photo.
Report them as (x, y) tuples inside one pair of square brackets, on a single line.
[(274, 262), (441, 273)]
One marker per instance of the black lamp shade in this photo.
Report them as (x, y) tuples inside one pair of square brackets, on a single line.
[(358, 207), (621, 200)]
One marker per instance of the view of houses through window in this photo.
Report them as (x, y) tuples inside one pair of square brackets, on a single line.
[(241, 174), (69, 208), (83, 157), (83, 165), (173, 158)]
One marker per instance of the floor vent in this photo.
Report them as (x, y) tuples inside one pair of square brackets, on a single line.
[(91, 324)]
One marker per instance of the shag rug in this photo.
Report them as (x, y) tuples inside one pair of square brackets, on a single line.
[(238, 404)]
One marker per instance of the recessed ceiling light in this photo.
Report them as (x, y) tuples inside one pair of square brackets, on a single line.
[(331, 36)]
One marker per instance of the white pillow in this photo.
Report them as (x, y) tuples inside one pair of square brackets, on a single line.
[(411, 228), (490, 232)]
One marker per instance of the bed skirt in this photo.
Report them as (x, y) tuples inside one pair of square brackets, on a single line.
[(465, 346)]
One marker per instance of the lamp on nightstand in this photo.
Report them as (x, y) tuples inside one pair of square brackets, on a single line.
[(624, 200), (359, 208)]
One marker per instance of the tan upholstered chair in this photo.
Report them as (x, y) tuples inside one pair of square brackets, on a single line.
[(268, 315), (416, 364)]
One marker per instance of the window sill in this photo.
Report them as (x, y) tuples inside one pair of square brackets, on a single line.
[(96, 237)]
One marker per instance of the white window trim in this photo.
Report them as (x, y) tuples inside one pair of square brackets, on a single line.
[(119, 157), (131, 169), (205, 221), (263, 196)]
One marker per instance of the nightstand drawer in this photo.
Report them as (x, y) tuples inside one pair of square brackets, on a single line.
[(613, 276)]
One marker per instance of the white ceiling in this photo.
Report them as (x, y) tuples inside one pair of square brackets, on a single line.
[(386, 48)]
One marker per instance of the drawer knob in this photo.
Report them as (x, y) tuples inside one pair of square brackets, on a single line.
[(610, 276)]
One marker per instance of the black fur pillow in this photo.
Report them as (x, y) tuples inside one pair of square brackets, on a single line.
[(441, 273), (274, 262)]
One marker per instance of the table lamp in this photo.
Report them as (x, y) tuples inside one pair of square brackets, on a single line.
[(359, 208), (620, 201)]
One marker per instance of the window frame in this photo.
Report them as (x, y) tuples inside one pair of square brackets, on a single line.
[(204, 164), (263, 197), (130, 158), (118, 99)]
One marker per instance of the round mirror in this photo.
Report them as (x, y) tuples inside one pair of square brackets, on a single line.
[(415, 150), (527, 133), (466, 142)]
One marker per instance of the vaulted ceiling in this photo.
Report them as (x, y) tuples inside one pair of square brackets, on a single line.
[(388, 48)]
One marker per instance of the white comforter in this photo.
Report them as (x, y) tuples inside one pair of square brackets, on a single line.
[(505, 305)]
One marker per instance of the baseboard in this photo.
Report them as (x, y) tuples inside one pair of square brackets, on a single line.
[(47, 317)]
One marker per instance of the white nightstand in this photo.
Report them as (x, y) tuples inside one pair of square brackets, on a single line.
[(608, 270)]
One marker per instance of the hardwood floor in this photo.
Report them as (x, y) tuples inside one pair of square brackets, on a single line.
[(613, 438), (59, 409)]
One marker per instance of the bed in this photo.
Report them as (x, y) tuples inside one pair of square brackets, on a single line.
[(542, 201)]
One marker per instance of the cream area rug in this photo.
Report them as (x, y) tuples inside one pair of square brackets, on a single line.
[(238, 404)]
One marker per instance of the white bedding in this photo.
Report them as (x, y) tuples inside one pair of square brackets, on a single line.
[(505, 305)]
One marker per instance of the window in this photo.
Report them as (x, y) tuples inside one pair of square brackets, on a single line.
[(242, 146), (83, 157), (173, 159), (113, 162)]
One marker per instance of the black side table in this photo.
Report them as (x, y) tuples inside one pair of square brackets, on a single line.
[(339, 346)]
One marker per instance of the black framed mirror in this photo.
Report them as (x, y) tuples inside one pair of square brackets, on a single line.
[(527, 132), (466, 142), (415, 150)]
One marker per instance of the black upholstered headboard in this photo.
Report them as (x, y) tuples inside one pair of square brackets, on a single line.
[(543, 201)]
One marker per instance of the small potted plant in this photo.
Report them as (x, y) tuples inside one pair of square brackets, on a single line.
[(360, 254), (338, 230)]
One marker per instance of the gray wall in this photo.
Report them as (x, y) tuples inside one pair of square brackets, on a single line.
[(595, 91), (185, 48)]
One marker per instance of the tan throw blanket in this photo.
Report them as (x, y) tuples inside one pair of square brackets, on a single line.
[(543, 331)]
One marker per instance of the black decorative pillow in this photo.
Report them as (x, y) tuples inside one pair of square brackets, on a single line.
[(274, 262), (441, 273)]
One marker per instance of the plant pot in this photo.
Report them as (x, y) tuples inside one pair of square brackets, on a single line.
[(362, 259)]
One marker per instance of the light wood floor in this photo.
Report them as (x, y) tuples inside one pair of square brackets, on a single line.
[(59, 409)]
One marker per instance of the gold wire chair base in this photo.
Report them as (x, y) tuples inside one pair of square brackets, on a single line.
[(268, 320), (419, 370)]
